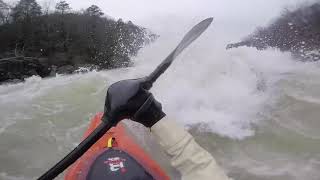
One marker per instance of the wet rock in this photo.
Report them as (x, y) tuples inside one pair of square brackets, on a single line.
[(53, 70), (15, 81), (33, 72), (68, 69), (12, 81), (18, 68)]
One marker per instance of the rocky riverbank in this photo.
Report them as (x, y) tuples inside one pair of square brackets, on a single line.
[(36, 41), (16, 69)]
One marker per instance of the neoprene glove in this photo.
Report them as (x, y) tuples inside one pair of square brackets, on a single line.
[(149, 113), (129, 100)]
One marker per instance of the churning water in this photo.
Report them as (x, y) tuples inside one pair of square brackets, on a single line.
[(257, 112)]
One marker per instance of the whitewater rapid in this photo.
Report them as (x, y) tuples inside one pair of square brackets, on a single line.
[(255, 111)]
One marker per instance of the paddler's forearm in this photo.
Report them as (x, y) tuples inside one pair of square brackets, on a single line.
[(191, 160)]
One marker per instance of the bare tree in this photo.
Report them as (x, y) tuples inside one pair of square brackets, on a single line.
[(26, 9), (94, 10), (46, 6), (62, 7), (2, 7), (4, 12)]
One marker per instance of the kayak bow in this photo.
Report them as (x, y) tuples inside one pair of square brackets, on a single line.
[(116, 138)]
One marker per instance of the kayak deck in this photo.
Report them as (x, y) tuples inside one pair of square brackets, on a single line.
[(116, 137)]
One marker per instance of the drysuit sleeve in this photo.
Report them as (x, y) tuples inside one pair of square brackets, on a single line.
[(188, 157)]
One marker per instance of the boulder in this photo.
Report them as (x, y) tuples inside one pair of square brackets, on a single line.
[(18, 68), (67, 69)]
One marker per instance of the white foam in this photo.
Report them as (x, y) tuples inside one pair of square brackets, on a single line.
[(5, 176), (225, 90)]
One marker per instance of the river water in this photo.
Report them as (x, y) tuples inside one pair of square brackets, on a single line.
[(257, 112)]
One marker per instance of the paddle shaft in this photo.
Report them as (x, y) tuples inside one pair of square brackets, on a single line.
[(77, 152)]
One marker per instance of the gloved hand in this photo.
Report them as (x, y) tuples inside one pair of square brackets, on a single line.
[(129, 99), (149, 113)]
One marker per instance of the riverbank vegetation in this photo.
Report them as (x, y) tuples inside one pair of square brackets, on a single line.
[(296, 31), (64, 37)]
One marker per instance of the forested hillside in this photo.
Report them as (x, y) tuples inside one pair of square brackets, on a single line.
[(66, 37), (296, 31)]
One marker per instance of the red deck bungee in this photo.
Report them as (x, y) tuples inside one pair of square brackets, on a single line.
[(122, 141)]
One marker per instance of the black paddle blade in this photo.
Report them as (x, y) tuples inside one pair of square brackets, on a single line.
[(192, 35)]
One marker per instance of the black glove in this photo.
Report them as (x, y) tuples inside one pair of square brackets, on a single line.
[(149, 113), (128, 99)]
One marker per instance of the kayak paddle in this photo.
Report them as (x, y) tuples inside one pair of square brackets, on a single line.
[(120, 93)]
